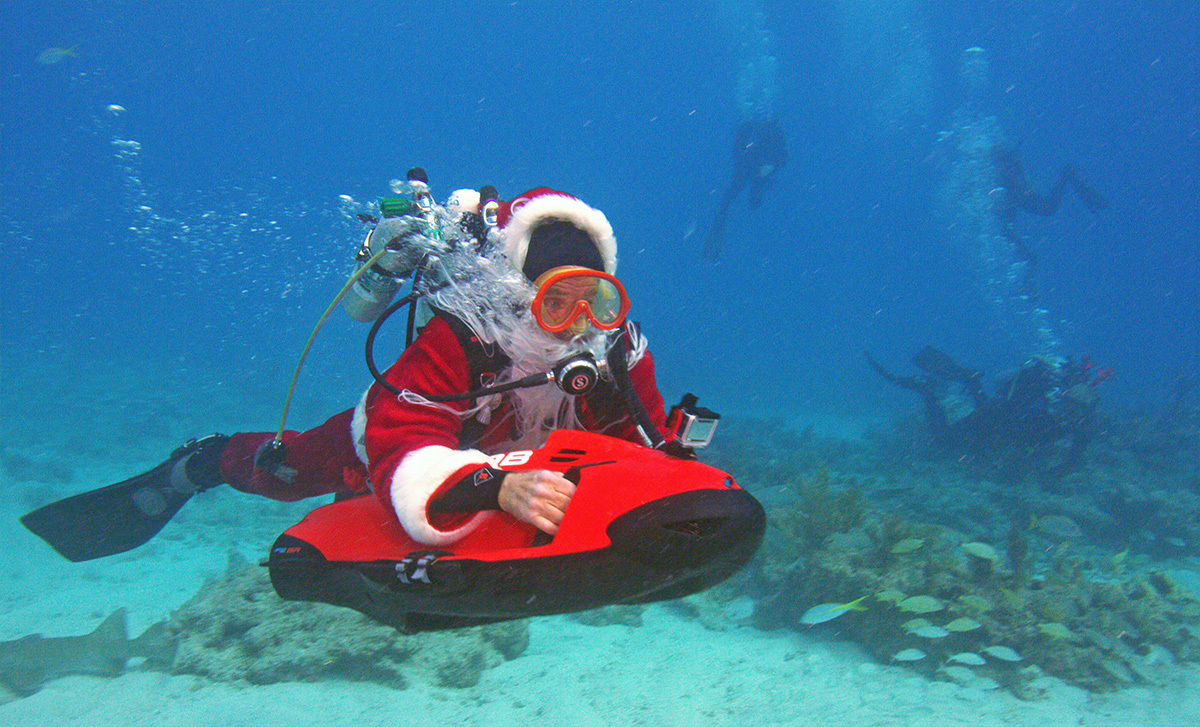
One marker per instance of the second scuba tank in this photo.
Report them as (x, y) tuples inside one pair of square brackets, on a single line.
[(408, 237)]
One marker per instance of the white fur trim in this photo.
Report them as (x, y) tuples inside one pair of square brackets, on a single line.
[(419, 475), (358, 429), (528, 212)]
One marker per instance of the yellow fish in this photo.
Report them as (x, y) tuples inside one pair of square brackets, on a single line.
[(829, 611), (891, 596), (920, 604), (907, 545), (1056, 631)]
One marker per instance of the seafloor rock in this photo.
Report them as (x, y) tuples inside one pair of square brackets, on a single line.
[(236, 628), (1066, 580)]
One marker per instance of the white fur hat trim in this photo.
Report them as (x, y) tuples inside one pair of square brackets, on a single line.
[(358, 429), (529, 212), (462, 201)]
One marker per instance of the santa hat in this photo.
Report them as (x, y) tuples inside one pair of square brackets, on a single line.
[(535, 220)]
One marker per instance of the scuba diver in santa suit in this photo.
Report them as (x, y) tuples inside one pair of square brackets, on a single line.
[(521, 286)]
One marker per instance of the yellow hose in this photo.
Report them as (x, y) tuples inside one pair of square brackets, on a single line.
[(287, 403)]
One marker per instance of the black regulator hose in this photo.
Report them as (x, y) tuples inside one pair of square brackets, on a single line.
[(409, 299), (618, 366), (410, 330)]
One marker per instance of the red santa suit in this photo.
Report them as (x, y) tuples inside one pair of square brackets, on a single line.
[(416, 451), (412, 451)]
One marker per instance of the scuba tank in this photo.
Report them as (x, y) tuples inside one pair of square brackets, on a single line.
[(406, 230)]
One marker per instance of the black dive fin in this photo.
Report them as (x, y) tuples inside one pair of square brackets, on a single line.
[(939, 364), (916, 383), (1093, 200), (116, 518)]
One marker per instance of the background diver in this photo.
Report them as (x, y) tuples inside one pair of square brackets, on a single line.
[(1019, 195), (1045, 403), (759, 152)]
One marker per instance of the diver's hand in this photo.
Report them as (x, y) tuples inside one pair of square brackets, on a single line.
[(537, 497)]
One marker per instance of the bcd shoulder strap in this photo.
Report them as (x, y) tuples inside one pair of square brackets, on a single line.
[(484, 361)]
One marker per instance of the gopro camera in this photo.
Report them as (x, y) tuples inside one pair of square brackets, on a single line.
[(693, 425)]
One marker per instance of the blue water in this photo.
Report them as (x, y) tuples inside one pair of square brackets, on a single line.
[(272, 110), (163, 262)]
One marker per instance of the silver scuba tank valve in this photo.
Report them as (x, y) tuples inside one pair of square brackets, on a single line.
[(421, 195), (364, 250)]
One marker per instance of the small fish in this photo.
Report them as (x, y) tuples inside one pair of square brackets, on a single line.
[(1011, 597), (916, 623), (920, 604), (968, 658), (1118, 560), (960, 675), (979, 603), (1059, 526), (1003, 653), (930, 632), (907, 545), (1056, 631), (959, 625), (891, 596), (52, 56), (829, 611), (909, 655), (982, 551)]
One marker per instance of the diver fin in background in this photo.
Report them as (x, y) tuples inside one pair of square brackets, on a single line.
[(119, 517), (918, 384), (716, 237), (1093, 200), (713, 243), (938, 363)]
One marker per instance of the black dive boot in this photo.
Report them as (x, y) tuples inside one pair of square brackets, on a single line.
[(121, 517)]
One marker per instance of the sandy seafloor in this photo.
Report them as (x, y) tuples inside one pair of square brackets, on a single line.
[(669, 671)]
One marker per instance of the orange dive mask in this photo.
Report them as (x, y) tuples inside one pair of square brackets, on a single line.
[(566, 293)]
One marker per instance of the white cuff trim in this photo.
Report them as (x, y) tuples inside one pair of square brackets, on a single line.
[(419, 475)]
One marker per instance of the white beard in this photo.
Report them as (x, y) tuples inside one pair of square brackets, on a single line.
[(494, 304), (540, 410)]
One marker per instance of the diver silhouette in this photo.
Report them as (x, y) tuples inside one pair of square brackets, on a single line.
[(759, 152), (1019, 195), (1048, 401)]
